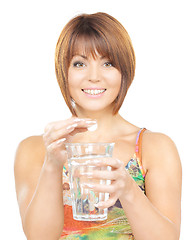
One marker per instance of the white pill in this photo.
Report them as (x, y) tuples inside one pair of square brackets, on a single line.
[(92, 128)]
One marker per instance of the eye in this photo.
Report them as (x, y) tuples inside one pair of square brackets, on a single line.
[(108, 64), (78, 64)]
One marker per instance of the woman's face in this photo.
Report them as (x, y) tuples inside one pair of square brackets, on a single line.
[(94, 83)]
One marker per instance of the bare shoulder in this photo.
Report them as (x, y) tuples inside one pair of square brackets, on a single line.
[(159, 149), (29, 160), (32, 142), (29, 156), (31, 149)]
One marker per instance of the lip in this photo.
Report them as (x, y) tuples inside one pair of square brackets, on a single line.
[(93, 88), (94, 96)]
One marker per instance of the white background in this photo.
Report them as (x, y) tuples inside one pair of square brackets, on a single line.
[(159, 99)]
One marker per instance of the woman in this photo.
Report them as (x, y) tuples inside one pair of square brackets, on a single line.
[(95, 65)]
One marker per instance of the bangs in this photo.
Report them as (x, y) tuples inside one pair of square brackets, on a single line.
[(90, 45)]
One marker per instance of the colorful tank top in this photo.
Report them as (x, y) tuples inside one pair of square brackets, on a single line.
[(116, 227)]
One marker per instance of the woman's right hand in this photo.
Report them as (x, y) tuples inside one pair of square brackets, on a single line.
[(57, 133)]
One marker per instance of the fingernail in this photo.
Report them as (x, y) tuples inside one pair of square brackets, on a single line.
[(61, 140), (97, 205), (87, 174), (71, 126), (78, 120)]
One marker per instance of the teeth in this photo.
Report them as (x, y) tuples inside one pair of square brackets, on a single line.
[(93, 92)]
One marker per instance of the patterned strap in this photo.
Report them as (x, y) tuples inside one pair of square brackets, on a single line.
[(138, 148)]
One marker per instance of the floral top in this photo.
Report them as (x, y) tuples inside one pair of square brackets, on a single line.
[(116, 227)]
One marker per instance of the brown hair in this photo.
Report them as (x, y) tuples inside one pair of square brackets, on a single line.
[(102, 33)]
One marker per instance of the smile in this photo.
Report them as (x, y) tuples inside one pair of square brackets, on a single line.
[(94, 91)]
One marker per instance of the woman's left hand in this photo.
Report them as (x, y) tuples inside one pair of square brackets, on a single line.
[(118, 176)]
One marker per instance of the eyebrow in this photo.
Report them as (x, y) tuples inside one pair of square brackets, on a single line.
[(85, 57)]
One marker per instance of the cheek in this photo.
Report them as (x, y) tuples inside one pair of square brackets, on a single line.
[(74, 79), (71, 78), (115, 80)]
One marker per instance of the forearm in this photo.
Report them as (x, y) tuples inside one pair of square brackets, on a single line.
[(44, 216), (146, 221)]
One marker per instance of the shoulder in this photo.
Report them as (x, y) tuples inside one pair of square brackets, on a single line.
[(32, 141), (157, 140), (29, 160), (158, 149), (30, 151)]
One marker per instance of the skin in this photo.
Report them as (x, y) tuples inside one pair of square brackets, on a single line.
[(39, 162)]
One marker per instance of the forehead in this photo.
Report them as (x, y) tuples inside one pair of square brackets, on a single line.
[(89, 47)]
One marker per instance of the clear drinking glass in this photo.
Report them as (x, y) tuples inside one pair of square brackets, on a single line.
[(84, 200)]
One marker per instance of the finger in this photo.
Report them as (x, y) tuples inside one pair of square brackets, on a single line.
[(53, 136), (108, 203), (54, 126), (78, 130), (112, 162), (99, 174), (57, 144), (102, 188), (56, 151), (55, 132), (71, 130)]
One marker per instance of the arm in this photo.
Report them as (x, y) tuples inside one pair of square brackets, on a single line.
[(38, 177), (155, 215), (39, 191)]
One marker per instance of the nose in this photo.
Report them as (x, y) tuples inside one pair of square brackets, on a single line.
[(94, 73)]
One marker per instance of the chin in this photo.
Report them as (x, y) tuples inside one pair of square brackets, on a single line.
[(94, 106)]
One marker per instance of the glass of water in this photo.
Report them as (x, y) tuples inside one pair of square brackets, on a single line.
[(79, 161)]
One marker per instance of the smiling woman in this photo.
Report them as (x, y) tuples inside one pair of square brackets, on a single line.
[(93, 35), (95, 65), (94, 79)]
